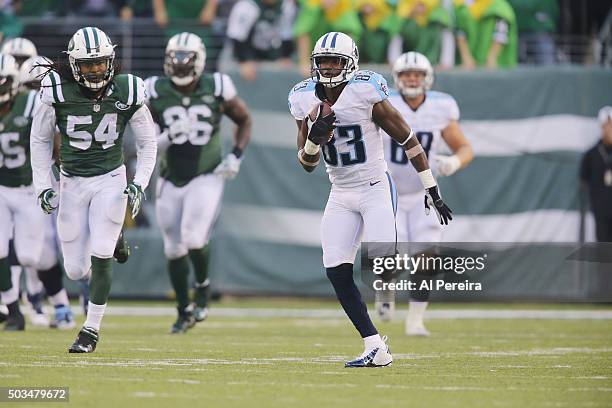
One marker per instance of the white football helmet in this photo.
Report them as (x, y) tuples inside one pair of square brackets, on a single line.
[(185, 58), (32, 71), (91, 45), (9, 78), (338, 45), (20, 48), (413, 61)]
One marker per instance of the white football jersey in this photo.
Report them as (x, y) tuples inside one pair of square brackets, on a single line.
[(355, 154), (427, 122)]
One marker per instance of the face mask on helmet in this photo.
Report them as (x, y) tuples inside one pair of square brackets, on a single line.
[(332, 70), (96, 72), (20, 59), (411, 83), (7, 89), (180, 66)]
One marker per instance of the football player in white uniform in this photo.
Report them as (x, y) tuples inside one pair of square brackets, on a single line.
[(433, 117), (362, 199)]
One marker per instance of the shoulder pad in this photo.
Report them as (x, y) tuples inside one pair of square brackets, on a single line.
[(303, 86), (446, 103), (132, 89), (51, 89), (379, 89)]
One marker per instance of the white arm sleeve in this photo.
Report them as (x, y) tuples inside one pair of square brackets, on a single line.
[(143, 129), (224, 87), (41, 145)]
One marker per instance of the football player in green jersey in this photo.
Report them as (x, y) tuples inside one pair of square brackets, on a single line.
[(18, 217), (23, 49), (91, 106), (188, 106), (30, 76)]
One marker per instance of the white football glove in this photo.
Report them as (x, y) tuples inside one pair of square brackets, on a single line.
[(178, 131), (446, 165), (229, 167)]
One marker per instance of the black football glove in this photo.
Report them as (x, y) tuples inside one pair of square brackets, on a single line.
[(432, 199), (321, 128)]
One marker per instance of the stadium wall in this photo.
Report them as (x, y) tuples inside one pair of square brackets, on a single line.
[(528, 128)]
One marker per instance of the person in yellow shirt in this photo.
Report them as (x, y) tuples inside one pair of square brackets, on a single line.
[(317, 17), (486, 33), (424, 26), (377, 18)]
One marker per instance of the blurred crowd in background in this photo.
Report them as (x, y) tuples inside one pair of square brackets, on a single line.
[(452, 33)]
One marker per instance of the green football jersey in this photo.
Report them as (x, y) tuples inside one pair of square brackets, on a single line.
[(91, 130), (200, 151), (15, 167)]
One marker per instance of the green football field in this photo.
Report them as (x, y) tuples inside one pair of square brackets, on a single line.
[(244, 357)]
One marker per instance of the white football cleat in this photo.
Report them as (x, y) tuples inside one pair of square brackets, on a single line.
[(377, 357), (38, 318), (385, 310)]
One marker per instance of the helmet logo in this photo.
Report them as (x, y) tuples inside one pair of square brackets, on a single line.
[(71, 44)]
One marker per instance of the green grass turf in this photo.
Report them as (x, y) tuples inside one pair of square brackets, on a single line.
[(281, 362)]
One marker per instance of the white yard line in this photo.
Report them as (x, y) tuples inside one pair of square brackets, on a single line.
[(563, 314)]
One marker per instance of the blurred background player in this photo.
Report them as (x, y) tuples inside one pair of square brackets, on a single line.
[(188, 106), (19, 217), (362, 200), (31, 73), (434, 118), (22, 49), (92, 108)]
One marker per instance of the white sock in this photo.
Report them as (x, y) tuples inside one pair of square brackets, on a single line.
[(371, 342), (94, 315), (416, 312), (10, 296), (60, 298), (16, 277), (33, 283)]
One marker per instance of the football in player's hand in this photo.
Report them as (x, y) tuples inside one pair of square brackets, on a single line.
[(322, 111)]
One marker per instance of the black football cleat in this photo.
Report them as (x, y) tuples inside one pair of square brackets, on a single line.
[(184, 322), (85, 342), (3, 317), (122, 249), (15, 322)]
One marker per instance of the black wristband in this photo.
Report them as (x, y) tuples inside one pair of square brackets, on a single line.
[(236, 151)]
